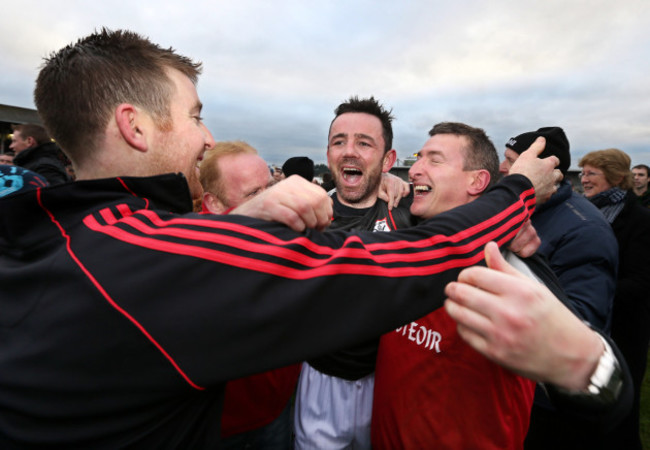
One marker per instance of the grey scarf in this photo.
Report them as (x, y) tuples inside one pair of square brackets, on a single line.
[(610, 202)]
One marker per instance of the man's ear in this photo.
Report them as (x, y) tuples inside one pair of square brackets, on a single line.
[(213, 204), (479, 182), (129, 120), (31, 142), (389, 160)]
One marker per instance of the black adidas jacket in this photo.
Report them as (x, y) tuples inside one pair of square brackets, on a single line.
[(123, 314)]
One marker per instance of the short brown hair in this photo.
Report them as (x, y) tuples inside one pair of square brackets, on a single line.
[(479, 154), (79, 87), (34, 131), (211, 174), (615, 165)]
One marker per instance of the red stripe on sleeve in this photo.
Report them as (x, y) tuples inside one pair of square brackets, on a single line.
[(314, 266)]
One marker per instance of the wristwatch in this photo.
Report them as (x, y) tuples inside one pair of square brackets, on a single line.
[(606, 382)]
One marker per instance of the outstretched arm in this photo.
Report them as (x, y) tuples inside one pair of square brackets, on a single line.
[(518, 323)]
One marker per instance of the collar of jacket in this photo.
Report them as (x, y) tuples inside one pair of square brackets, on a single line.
[(169, 192), (40, 151), (22, 223)]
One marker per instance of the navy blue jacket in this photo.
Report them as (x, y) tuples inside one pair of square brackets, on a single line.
[(581, 248)]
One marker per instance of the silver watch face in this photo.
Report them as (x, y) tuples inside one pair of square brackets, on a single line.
[(606, 381)]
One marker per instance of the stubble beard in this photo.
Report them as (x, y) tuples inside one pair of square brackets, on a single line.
[(367, 190), (165, 163)]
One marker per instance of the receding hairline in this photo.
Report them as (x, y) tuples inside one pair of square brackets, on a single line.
[(211, 171)]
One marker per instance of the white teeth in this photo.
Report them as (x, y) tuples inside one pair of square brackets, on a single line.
[(422, 188), (351, 172)]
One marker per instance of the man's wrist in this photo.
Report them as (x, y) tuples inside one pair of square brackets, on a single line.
[(605, 379)]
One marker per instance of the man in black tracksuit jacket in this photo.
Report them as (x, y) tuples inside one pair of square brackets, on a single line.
[(36, 152), (123, 313)]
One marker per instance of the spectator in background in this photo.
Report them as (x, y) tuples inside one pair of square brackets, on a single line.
[(256, 408), (35, 151), (328, 182), (7, 158), (640, 173), (277, 174), (569, 225), (299, 165), (607, 182)]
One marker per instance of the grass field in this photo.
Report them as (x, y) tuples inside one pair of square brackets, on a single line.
[(645, 410)]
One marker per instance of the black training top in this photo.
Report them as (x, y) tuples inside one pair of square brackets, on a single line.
[(359, 361), (124, 314)]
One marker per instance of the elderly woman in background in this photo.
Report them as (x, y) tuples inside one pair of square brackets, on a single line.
[(607, 182)]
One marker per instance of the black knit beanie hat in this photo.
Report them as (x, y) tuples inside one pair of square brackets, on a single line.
[(557, 144)]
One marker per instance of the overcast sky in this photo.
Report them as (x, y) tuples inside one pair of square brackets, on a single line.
[(275, 70)]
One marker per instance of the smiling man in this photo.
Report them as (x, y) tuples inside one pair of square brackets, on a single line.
[(432, 388), (334, 400)]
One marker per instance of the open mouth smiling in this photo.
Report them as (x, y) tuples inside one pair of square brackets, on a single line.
[(351, 174), (421, 189)]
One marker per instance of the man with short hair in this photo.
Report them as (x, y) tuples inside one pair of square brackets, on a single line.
[(231, 174), (432, 388), (569, 225), (640, 173), (334, 399), (112, 335), (35, 151), (256, 408)]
